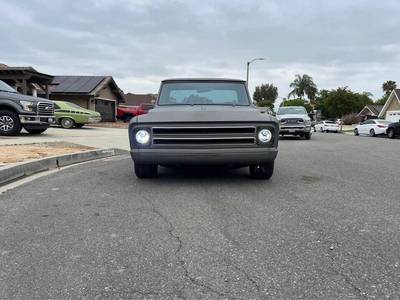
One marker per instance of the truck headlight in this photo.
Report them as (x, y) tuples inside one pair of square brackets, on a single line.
[(27, 105), (142, 137), (264, 136)]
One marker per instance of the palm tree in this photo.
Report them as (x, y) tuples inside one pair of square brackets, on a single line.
[(303, 85), (388, 86)]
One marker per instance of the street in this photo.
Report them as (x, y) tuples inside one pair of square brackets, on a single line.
[(325, 226)]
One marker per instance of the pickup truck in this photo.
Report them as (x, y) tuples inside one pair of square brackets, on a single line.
[(19, 111), (126, 113), (204, 122), (294, 120)]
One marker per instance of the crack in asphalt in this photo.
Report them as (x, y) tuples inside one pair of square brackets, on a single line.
[(171, 231)]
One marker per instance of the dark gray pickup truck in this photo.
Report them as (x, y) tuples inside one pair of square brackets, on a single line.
[(204, 122), (19, 111)]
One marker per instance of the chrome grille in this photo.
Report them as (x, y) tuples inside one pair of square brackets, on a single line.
[(45, 109), (292, 121), (204, 135)]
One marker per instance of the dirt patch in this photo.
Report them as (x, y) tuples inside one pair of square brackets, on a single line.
[(18, 153), (118, 124)]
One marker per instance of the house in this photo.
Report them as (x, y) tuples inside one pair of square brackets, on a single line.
[(26, 80), (137, 99), (98, 93), (391, 109), (370, 111)]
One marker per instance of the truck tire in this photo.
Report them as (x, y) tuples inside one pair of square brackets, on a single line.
[(9, 123), (307, 135), (146, 171), (262, 171), (67, 123)]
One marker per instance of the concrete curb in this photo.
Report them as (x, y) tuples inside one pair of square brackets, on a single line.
[(12, 173)]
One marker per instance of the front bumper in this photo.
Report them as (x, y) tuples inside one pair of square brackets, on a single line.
[(232, 156), (294, 129), (36, 119), (94, 119)]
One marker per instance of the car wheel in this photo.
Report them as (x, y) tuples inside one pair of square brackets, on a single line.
[(36, 130), (390, 133), (356, 132), (146, 171), (262, 171), (372, 132), (307, 135), (79, 125), (9, 123), (67, 123)]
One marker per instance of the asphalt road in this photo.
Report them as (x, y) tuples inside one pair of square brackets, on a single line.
[(326, 226)]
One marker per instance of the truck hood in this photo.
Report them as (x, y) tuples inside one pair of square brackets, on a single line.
[(204, 113), (294, 116), (19, 97)]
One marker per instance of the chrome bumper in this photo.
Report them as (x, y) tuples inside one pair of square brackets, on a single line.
[(36, 119)]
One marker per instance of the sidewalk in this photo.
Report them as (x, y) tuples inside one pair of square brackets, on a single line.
[(87, 136)]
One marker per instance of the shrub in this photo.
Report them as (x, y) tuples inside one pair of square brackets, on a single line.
[(350, 119)]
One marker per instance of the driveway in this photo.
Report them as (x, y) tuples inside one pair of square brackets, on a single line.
[(325, 226), (88, 136)]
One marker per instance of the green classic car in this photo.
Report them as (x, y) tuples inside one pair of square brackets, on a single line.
[(70, 115)]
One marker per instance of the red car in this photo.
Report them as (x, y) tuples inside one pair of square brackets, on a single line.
[(126, 113)]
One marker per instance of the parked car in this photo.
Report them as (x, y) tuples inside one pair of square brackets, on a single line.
[(20, 111), (326, 126), (126, 113), (204, 122), (70, 115), (393, 130), (294, 120), (372, 127)]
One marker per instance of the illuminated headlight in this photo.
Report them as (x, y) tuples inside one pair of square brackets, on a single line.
[(142, 137), (27, 105), (264, 136)]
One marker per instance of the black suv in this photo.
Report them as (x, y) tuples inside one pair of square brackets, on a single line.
[(16, 111), (393, 130)]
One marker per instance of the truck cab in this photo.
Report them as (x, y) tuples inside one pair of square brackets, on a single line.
[(20, 111)]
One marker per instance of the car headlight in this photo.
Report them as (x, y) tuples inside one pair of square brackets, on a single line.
[(27, 105), (264, 136), (142, 137)]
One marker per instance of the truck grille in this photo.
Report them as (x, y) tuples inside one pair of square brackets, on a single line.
[(45, 109), (292, 121), (201, 135)]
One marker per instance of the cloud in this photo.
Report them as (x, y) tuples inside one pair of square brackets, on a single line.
[(338, 43)]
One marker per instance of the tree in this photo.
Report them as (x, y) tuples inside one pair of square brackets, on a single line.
[(265, 95), (342, 101), (388, 86), (382, 100), (297, 102), (303, 85)]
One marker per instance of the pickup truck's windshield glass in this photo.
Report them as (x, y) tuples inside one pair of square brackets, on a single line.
[(4, 87), (203, 93), (292, 111)]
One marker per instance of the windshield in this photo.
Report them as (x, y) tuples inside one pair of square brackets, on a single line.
[(292, 110), (203, 93), (6, 88), (73, 105)]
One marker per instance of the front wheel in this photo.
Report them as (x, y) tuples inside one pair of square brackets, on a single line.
[(390, 133), (146, 171), (262, 171), (36, 130), (307, 135), (356, 132), (67, 123)]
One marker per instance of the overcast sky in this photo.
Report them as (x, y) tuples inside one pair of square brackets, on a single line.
[(338, 43)]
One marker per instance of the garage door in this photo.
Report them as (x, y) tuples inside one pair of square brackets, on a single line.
[(106, 109), (393, 115)]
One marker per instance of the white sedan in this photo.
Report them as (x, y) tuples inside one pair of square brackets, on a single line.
[(325, 126), (372, 127)]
